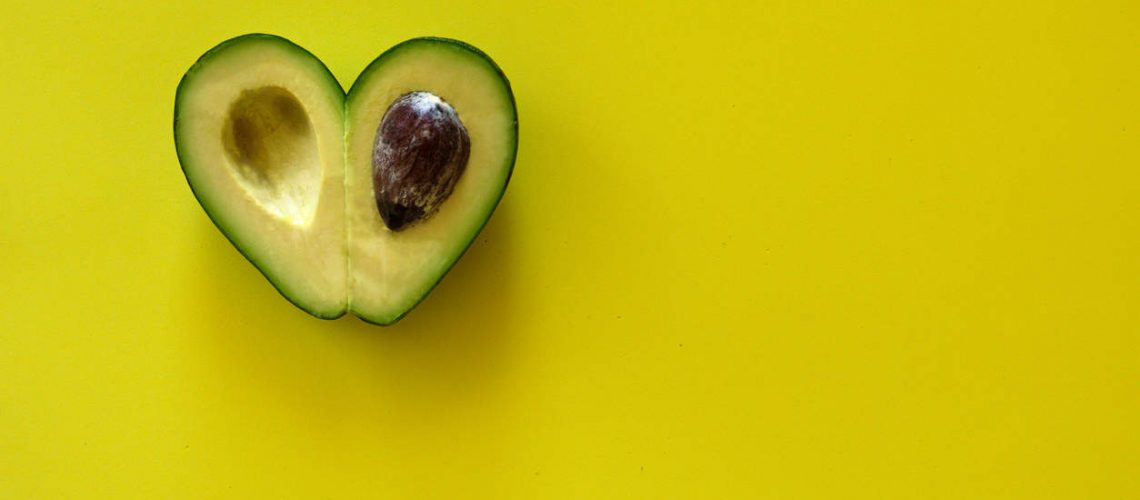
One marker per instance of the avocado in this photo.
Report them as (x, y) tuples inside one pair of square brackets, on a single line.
[(259, 128), (354, 202), (394, 265)]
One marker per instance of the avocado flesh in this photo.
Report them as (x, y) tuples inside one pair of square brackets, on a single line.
[(392, 271), (259, 131)]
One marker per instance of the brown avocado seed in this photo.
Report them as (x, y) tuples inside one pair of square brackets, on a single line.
[(420, 152)]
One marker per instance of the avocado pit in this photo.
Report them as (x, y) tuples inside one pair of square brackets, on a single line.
[(421, 150)]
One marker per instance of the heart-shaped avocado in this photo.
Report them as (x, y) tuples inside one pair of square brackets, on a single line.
[(354, 202)]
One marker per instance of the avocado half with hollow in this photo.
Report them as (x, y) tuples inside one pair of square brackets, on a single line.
[(359, 202)]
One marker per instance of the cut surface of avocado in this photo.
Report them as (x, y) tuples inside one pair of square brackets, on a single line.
[(359, 202), (393, 268), (259, 131)]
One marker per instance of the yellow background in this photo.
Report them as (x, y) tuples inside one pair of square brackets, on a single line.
[(776, 249)]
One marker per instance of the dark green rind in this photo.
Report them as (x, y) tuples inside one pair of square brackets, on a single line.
[(188, 77), (510, 169)]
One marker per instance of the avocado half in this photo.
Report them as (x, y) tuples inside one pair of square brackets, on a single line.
[(299, 176)]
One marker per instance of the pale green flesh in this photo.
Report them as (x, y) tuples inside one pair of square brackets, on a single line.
[(281, 163)]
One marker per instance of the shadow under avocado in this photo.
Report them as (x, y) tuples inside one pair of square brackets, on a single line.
[(460, 329), (451, 347)]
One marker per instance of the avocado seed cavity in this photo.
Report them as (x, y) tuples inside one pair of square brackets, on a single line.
[(272, 148), (421, 150)]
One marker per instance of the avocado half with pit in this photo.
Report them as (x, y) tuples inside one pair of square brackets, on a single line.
[(359, 202)]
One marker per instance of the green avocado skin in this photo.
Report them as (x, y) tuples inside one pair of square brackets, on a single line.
[(334, 88)]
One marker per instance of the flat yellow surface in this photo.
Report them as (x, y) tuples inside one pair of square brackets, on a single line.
[(765, 250)]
